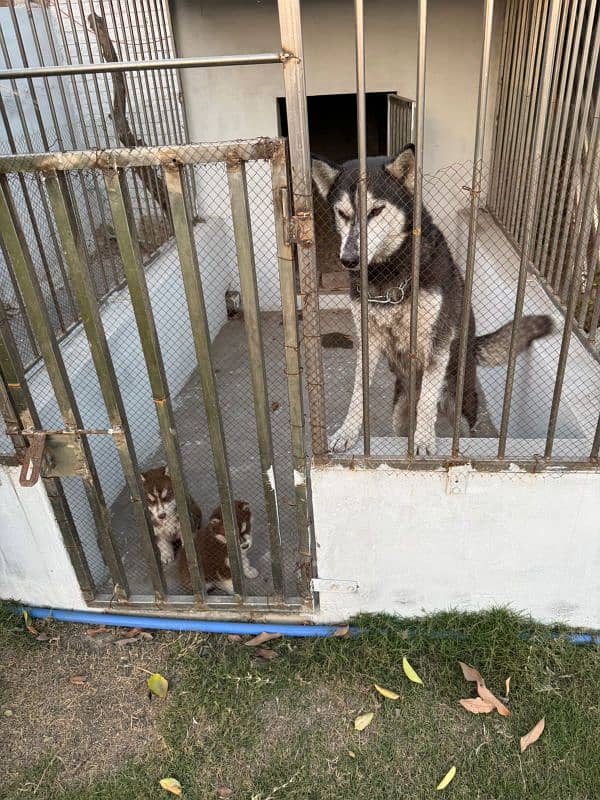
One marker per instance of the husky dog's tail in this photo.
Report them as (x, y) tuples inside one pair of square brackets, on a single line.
[(491, 350)]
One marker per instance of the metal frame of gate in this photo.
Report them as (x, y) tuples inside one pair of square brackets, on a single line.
[(52, 454)]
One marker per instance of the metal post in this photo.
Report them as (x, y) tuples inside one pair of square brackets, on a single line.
[(501, 100), (70, 238), (416, 231), (295, 97), (33, 300), (592, 268), (596, 443), (293, 368), (484, 78), (116, 187), (190, 273), (361, 125), (24, 414), (583, 226), (530, 202), (240, 214)]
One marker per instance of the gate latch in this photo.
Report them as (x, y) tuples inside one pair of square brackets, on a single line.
[(51, 455), (299, 229)]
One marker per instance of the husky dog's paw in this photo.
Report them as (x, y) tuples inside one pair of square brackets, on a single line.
[(425, 444), (343, 439), (166, 550), (250, 572)]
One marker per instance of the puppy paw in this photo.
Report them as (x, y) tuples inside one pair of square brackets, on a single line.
[(251, 572), (425, 444), (343, 439)]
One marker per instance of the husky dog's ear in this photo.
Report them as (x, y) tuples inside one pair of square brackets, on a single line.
[(324, 174), (403, 167)]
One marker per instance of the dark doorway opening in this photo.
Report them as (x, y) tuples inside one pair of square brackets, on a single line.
[(332, 124)]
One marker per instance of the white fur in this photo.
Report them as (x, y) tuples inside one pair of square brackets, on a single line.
[(385, 232)]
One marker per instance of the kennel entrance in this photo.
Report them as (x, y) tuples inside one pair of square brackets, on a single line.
[(160, 374)]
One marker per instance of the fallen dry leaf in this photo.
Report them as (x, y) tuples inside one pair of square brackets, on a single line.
[(267, 654), (171, 785), (261, 639), (533, 735), (233, 637), (145, 635), (28, 626), (446, 779), (43, 637), (158, 685), (78, 680), (485, 694), (134, 632), (476, 705), (352, 754), (362, 721), (409, 672), (224, 791), (129, 640), (341, 632), (471, 674), (386, 692), (96, 631), (507, 684)]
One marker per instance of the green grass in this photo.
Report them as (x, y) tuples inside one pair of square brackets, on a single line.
[(284, 729)]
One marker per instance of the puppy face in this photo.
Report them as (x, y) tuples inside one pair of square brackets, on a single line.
[(159, 495)]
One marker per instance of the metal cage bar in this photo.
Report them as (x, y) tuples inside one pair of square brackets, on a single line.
[(475, 191), (293, 369), (531, 194), (79, 273), (116, 187), (416, 230), (295, 98), (242, 229), (194, 294), (33, 300)]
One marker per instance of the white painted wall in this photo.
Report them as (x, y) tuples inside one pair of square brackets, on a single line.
[(522, 540), (34, 565), (240, 102)]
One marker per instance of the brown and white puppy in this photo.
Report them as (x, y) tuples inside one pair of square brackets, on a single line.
[(160, 497), (211, 546)]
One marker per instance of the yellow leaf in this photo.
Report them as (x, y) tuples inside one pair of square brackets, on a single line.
[(409, 672), (351, 754), (446, 779), (342, 632), (158, 685), (386, 692), (171, 785), (361, 722), (471, 674), (533, 735), (507, 684), (262, 638)]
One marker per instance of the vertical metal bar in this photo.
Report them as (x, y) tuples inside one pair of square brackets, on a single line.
[(33, 300), (66, 223), (484, 79), (116, 187), (596, 443), (287, 284), (361, 133), (416, 231), (531, 194), (561, 112), (240, 214), (595, 317), (592, 268), (23, 409), (583, 226), (295, 97), (501, 92), (192, 282)]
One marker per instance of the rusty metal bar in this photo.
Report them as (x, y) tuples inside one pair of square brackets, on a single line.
[(293, 371), (596, 442), (192, 282), (18, 409), (583, 226), (242, 229), (484, 79), (79, 273), (35, 305), (116, 187), (530, 202), (416, 231), (501, 100), (295, 97)]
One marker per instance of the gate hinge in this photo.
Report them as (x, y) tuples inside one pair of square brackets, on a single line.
[(51, 455), (333, 585), (299, 229)]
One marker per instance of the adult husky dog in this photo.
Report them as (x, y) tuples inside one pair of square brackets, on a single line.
[(390, 186)]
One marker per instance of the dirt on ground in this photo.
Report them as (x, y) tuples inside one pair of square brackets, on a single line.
[(79, 699)]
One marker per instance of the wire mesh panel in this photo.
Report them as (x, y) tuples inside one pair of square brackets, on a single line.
[(192, 366)]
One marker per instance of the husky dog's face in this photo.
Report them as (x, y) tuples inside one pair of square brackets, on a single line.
[(390, 187), (159, 495), (244, 521)]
